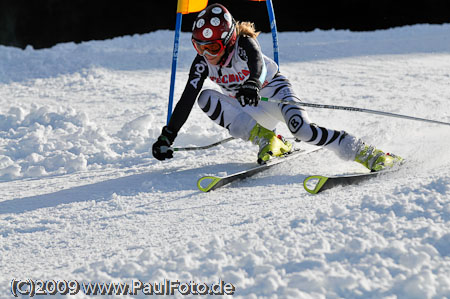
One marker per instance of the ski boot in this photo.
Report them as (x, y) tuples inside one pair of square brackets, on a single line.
[(270, 145), (376, 160)]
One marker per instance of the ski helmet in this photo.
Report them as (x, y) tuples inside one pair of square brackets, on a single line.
[(213, 30)]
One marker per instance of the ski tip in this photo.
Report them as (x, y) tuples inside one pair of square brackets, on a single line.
[(207, 183), (313, 184)]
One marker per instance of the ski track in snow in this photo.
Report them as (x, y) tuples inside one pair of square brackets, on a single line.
[(82, 198)]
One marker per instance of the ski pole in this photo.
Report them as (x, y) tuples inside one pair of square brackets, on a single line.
[(183, 149), (346, 108)]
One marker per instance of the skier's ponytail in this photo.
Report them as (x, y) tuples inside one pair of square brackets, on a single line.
[(247, 28)]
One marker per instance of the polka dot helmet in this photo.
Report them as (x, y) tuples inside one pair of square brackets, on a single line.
[(214, 23)]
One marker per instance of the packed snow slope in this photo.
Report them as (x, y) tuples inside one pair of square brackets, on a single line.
[(81, 197)]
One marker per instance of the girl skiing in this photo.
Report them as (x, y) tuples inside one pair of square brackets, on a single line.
[(229, 55)]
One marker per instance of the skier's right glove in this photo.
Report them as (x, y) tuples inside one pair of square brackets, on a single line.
[(161, 148), (248, 93)]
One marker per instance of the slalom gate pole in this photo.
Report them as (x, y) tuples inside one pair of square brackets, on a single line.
[(273, 28), (346, 108), (174, 64)]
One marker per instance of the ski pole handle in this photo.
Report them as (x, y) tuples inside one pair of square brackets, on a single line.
[(195, 148), (346, 108)]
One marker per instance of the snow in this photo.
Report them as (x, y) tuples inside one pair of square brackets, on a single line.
[(81, 197)]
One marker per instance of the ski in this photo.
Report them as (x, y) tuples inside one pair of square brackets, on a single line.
[(318, 183), (208, 183)]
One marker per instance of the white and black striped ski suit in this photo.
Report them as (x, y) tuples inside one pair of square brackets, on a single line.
[(243, 62)]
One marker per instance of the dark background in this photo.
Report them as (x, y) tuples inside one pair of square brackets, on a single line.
[(44, 23)]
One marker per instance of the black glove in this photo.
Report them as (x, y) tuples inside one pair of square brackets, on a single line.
[(248, 93), (161, 148)]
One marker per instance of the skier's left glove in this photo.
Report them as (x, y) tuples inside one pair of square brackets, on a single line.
[(248, 93), (161, 148)]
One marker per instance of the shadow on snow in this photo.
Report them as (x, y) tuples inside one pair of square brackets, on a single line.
[(166, 181)]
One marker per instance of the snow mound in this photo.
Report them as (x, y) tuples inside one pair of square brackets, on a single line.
[(47, 141)]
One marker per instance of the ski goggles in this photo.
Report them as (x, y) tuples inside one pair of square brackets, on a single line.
[(212, 48)]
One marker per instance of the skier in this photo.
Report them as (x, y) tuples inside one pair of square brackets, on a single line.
[(230, 55)]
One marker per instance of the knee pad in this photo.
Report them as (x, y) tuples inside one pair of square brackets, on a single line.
[(296, 119)]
